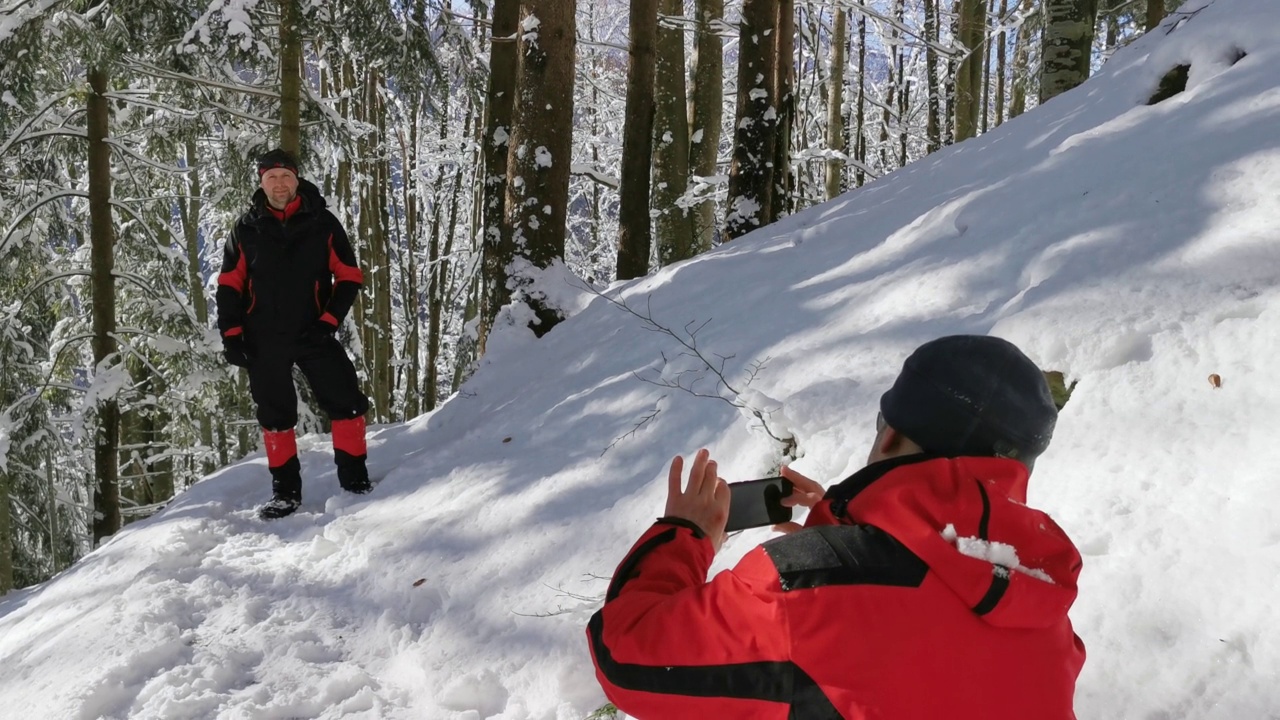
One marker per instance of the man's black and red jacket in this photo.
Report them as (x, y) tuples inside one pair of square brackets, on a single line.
[(902, 599), (279, 276)]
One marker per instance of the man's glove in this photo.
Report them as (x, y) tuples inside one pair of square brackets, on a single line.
[(319, 331), (236, 351)]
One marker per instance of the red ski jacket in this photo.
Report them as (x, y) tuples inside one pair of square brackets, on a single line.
[(920, 588)]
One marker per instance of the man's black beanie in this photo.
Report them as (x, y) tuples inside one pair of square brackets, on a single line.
[(972, 395), (277, 159)]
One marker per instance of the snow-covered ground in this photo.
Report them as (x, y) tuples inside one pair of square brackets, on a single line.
[(1135, 248)]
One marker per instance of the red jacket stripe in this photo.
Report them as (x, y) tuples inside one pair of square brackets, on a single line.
[(343, 272)]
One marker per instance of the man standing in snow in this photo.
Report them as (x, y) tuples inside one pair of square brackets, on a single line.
[(920, 587), (288, 278)]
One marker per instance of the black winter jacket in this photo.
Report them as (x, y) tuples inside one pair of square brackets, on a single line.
[(278, 278)]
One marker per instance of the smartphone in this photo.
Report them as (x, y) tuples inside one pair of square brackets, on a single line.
[(756, 503)]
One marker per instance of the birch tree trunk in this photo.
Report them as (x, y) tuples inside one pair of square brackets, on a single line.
[(835, 104), (541, 140), (634, 228), (106, 497), (706, 111), (751, 175), (674, 226), (1067, 45), (497, 248)]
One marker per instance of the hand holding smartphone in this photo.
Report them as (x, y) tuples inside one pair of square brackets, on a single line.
[(756, 503)]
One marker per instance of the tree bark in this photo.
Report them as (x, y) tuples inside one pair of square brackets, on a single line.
[(751, 175), (542, 141), (1067, 45), (192, 207), (673, 226), (497, 249), (784, 35), (413, 333), (106, 505), (1155, 13), (1021, 62), (835, 104), (706, 111), (860, 144), (1001, 65), (634, 227), (933, 131), (290, 77), (973, 26), (6, 535)]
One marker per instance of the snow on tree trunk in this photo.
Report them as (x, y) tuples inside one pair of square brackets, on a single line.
[(673, 226), (496, 248), (1067, 43), (541, 140), (751, 175)]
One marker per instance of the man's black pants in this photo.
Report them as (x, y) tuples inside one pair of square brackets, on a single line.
[(328, 370)]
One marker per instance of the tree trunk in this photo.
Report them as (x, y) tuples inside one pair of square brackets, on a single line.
[(6, 535), (673, 226), (290, 77), (904, 90), (413, 332), (950, 80), (498, 250), (634, 234), (1021, 63), (1067, 45), (751, 175), (784, 35), (973, 25), (542, 141), (860, 144), (835, 104), (1001, 69), (706, 111), (190, 214), (1155, 13), (106, 505), (933, 132)]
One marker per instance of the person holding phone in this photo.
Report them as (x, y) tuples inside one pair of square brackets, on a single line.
[(922, 586)]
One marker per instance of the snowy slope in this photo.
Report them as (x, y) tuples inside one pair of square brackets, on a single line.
[(1135, 248)]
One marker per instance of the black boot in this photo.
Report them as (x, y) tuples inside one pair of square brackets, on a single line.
[(286, 491), (353, 476)]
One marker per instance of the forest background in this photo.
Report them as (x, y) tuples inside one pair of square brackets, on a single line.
[(468, 147)]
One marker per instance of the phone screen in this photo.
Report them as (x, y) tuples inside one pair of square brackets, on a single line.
[(756, 503)]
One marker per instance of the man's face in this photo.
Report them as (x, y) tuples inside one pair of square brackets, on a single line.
[(280, 185)]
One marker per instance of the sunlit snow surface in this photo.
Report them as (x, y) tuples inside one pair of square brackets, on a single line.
[(1135, 248)]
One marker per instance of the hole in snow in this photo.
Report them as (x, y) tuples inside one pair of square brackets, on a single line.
[(1174, 82)]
